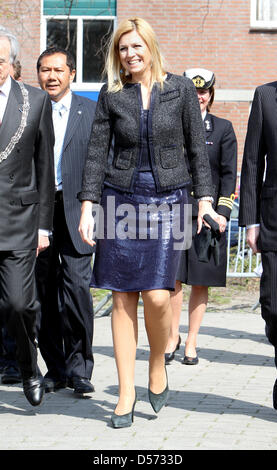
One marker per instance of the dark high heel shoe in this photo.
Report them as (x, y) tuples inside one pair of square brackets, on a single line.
[(190, 361), (170, 356), (158, 400), (124, 421)]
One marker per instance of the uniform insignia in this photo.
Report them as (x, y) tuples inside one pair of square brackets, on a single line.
[(226, 201), (208, 125), (198, 81)]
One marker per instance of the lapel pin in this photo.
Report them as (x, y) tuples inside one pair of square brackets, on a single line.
[(207, 125)]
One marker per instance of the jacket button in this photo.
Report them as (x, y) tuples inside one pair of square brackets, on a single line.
[(11, 176), (192, 193)]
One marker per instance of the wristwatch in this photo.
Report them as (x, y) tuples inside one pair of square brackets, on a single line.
[(206, 198)]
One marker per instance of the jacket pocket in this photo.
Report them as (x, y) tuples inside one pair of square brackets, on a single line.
[(169, 95), (29, 197), (123, 160), (168, 156)]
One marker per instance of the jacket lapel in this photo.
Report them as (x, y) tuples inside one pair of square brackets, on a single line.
[(74, 118), (12, 116)]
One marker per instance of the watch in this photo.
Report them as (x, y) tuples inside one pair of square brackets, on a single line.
[(206, 198)]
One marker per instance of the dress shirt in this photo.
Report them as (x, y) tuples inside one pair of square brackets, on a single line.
[(60, 119), (4, 95)]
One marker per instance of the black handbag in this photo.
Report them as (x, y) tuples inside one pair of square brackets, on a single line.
[(207, 241)]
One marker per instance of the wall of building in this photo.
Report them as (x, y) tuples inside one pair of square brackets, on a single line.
[(215, 35), (22, 17)]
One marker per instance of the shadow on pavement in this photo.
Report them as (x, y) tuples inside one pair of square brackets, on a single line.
[(62, 403)]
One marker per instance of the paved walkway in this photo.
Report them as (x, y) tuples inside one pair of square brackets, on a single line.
[(225, 402)]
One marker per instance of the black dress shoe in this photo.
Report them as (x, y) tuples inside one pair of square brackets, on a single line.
[(190, 361), (11, 375), (80, 385), (51, 385), (33, 390), (170, 356), (158, 400), (124, 421), (275, 395)]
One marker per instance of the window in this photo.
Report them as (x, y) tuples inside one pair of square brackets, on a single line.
[(264, 14), (83, 35)]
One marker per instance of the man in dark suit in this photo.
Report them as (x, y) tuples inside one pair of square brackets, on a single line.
[(63, 271), (26, 210), (10, 370), (258, 201)]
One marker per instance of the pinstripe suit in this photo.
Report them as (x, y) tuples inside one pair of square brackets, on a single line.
[(64, 270), (258, 195)]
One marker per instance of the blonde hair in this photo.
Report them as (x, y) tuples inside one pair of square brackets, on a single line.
[(113, 69)]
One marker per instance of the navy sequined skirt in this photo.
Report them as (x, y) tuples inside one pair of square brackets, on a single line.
[(137, 250)]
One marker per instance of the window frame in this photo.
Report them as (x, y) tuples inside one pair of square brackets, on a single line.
[(260, 24), (78, 83)]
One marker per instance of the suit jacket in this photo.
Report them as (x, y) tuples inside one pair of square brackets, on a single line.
[(174, 117), (75, 150), (27, 175), (258, 195), (221, 144)]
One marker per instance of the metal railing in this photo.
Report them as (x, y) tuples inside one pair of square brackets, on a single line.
[(240, 259)]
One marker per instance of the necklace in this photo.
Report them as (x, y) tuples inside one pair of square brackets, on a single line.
[(18, 134)]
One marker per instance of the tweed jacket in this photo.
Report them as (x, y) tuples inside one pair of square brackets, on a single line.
[(174, 121), (258, 189)]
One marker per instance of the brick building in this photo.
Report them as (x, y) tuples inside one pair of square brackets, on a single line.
[(236, 39)]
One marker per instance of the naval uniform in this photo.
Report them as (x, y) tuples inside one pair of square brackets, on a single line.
[(222, 150)]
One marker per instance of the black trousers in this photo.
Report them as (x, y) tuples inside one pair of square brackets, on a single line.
[(19, 306), (268, 296), (7, 348), (65, 329)]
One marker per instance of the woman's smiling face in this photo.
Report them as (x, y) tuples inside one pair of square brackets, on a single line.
[(134, 54), (203, 98)]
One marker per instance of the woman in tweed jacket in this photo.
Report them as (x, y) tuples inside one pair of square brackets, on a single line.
[(150, 114)]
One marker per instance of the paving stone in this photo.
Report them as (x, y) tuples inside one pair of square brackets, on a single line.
[(225, 402)]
